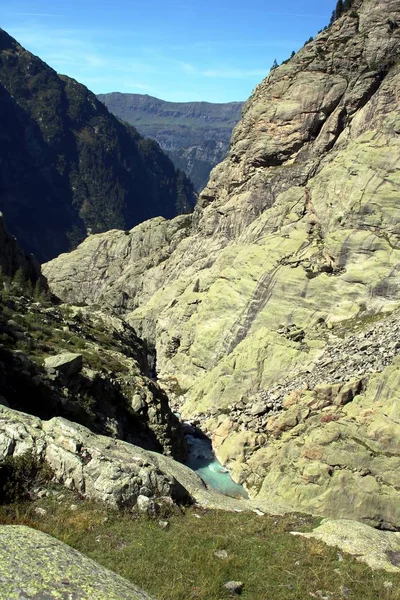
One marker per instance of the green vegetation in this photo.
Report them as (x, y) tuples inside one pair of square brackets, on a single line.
[(18, 475), (342, 6), (178, 562)]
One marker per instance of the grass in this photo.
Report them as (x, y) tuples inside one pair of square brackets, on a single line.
[(178, 563)]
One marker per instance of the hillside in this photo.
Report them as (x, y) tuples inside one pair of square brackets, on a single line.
[(195, 135), (67, 166), (274, 312)]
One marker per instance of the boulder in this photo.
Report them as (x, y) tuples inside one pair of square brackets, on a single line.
[(67, 364), (36, 565), (234, 587), (379, 549)]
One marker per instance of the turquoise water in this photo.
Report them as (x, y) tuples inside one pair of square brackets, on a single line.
[(202, 460)]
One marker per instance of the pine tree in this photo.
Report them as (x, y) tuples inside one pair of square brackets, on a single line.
[(40, 293), (339, 10), (19, 280), (274, 65)]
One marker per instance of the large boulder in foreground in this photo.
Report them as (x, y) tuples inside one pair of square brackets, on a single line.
[(56, 571)]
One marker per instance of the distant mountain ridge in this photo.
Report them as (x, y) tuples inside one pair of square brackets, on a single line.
[(195, 135), (67, 166)]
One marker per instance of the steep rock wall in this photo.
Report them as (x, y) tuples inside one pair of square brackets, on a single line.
[(295, 235)]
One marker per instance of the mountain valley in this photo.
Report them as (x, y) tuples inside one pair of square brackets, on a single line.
[(68, 167), (266, 321), (195, 135)]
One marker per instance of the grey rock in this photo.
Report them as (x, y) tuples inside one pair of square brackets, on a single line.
[(145, 505), (67, 364), (258, 409), (234, 587), (223, 554), (41, 512), (57, 572)]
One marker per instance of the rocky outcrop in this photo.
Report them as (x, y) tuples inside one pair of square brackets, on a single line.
[(105, 258), (68, 167), (343, 449), (87, 366), (56, 572), (110, 470), (98, 467), (294, 241), (379, 549), (195, 135)]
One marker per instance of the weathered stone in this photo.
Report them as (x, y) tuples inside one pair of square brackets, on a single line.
[(67, 364), (348, 392), (258, 409), (234, 587), (56, 572), (145, 505), (376, 548)]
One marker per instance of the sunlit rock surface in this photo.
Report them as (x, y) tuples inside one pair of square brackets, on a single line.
[(294, 242)]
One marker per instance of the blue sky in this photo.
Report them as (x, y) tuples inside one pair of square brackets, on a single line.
[(213, 50)]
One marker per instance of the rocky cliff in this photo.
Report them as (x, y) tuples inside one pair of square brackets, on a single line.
[(293, 247), (67, 166), (195, 135)]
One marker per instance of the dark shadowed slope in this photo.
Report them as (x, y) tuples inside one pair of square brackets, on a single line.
[(67, 166)]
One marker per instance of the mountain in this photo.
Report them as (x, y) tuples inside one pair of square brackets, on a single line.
[(69, 167), (274, 311), (79, 406), (195, 135)]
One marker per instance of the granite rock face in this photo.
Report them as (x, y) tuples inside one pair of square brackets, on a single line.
[(294, 241), (56, 572), (98, 467)]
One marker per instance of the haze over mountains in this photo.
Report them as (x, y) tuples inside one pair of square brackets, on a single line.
[(195, 135), (69, 167)]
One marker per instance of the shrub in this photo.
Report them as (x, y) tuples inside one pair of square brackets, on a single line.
[(19, 474)]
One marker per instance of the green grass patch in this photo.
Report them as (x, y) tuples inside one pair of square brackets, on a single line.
[(178, 563)]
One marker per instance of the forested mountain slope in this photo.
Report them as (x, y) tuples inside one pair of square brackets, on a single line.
[(69, 167)]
